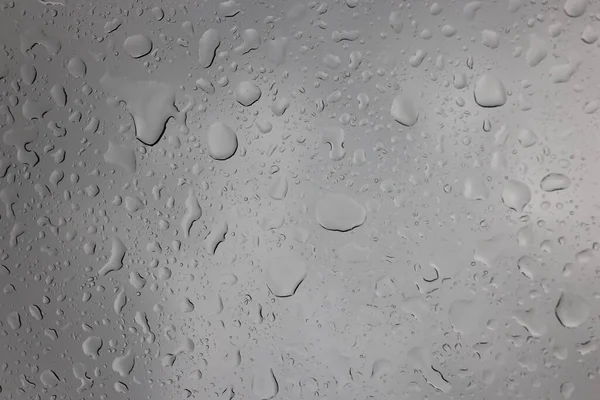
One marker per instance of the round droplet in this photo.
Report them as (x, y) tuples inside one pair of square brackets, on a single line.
[(247, 93), (283, 276), (385, 287), (222, 141), (137, 45), (575, 8), (572, 310)]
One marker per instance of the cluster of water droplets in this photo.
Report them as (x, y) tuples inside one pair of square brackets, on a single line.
[(337, 199)]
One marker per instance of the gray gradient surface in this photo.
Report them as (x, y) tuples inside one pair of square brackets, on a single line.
[(274, 199)]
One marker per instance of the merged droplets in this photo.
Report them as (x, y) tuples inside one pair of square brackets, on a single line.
[(150, 103), (207, 47), (215, 237), (251, 41), (192, 214), (19, 139), (335, 137), (36, 36), (120, 301), (91, 346), (117, 253), (538, 50), (532, 321), (123, 365)]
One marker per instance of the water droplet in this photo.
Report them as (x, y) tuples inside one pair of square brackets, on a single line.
[(404, 111), (516, 195), (247, 93), (338, 212), (554, 181), (572, 310), (76, 67), (123, 365), (91, 346), (137, 46), (284, 275), (207, 47), (575, 8), (489, 91), (264, 384), (222, 141)]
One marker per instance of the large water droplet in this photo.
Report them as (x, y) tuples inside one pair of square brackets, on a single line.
[(572, 310), (338, 212), (137, 45), (515, 195), (489, 91), (247, 93), (222, 141), (207, 47), (575, 8), (264, 384), (555, 181), (284, 275), (404, 111)]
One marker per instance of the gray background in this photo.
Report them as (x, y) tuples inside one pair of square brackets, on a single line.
[(431, 297)]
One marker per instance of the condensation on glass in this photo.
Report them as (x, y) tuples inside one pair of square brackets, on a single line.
[(338, 199)]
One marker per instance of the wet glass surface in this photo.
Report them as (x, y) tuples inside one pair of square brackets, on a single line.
[(351, 199)]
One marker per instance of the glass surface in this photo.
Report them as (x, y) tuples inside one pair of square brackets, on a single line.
[(339, 199)]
